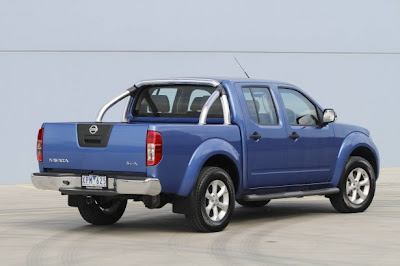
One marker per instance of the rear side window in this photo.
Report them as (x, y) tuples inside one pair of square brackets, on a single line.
[(260, 105), (175, 101)]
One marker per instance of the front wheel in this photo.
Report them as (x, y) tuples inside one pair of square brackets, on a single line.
[(102, 212), (212, 201), (357, 186)]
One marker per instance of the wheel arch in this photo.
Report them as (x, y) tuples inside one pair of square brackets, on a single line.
[(355, 144), (226, 163), (212, 152), (368, 155)]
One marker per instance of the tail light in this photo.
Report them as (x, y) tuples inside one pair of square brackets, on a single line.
[(154, 148), (39, 145)]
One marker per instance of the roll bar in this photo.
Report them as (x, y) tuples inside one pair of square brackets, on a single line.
[(218, 93), (110, 104)]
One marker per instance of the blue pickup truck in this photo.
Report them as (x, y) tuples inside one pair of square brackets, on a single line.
[(203, 143)]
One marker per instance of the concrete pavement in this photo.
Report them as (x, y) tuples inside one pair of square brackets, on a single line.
[(38, 228)]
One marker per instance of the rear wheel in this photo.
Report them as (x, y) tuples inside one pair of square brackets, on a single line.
[(102, 212), (252, 204), (212, 201), (357, 186)]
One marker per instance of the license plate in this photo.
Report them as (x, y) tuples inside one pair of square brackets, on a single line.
[(94, 181)]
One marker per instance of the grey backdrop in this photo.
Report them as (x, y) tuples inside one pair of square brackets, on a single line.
[(62, 60)]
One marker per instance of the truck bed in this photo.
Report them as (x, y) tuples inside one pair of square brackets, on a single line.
[(68, 148)]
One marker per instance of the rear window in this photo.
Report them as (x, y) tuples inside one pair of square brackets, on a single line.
[(175, 101)]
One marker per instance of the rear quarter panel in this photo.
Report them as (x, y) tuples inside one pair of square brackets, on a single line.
[(186, 147)]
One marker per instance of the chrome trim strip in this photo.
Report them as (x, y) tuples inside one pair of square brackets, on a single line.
[(110, 104), (226, 110), (183, 81), (204, 112)]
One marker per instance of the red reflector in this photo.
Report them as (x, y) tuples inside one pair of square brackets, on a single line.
[(153, 148), (39, 145)]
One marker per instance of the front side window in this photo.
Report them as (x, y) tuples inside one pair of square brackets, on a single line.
[(260, 105), (300, 110)]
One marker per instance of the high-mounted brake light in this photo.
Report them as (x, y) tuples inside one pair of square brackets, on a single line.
[(39, 145), (154, 148)]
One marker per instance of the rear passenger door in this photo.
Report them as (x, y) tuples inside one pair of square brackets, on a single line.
[(266, 137)]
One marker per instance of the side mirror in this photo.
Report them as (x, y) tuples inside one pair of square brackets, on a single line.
[(329, 116)]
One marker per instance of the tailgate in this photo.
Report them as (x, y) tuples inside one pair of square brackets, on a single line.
[(95, 147)]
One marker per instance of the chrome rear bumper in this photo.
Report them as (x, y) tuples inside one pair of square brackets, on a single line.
[(118, 186)]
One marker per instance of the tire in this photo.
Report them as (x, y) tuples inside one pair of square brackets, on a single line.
[(357, 186), (102, 212), (210, 210), (252, 204)]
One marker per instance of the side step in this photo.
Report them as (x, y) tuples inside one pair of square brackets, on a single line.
[(294, 194)]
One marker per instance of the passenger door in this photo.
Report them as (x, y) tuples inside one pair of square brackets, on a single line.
[(310, 146), (266, 137)]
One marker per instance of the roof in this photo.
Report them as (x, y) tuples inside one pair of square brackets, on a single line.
[(208, 81)]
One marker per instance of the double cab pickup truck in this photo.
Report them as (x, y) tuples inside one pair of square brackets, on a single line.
[(203, 144)]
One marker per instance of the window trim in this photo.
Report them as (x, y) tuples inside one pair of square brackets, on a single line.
[(250, 87), (319, 111)]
